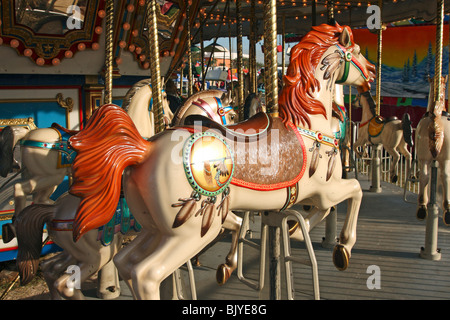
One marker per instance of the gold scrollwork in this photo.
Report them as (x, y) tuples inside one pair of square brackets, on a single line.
[(65, 103)]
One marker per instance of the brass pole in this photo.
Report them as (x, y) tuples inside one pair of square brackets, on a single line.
[(152, 24), (109, 51), (330, 12), (252, 47), (240, 70), (379, 54), (188, 31), (283, 48), (202, 49), (270, 56), (439, 41)]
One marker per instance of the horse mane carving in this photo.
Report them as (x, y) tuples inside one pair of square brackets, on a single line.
[(110, 136), (296, 99), (435, 128), (132, 92)]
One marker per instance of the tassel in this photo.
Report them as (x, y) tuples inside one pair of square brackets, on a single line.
[(331, 162), (208, 214), (187, 209), (224, 204), (314, 158)]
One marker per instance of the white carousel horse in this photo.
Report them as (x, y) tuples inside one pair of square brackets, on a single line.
[(166, 179), (214, 104), (91, 254), (394, 134), (433, 143), (46, 156)]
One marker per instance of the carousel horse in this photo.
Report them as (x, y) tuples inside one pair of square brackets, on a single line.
[(47, 157), (394, 134), (433, 143), (177, 182), (214, 104), (99, 247)]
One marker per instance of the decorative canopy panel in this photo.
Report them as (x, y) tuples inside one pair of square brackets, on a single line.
[(300, 15), (131, 29), (49, 31)]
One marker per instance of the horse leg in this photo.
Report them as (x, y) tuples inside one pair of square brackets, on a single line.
[(344, 189), (422, 198), (314, 217), (445, 176), (224, 271), (35, 184), (52, 269), (108, 282), (395, 158), (404, 151), (133, 253)]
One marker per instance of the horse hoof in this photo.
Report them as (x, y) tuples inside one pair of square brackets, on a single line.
[(394, 178), (340, 257), (446, 217), (422, 213), (223, 274)]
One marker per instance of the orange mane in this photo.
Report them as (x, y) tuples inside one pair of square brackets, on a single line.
[(296, 99), (110, 137)]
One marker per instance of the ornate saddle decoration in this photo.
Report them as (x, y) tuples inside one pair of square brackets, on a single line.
[(66, 154), (122, 221)]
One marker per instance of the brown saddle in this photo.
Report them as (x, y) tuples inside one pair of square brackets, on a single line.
[(376, 125), (267, 154)]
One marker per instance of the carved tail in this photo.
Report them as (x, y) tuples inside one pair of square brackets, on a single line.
[(29, 225), (435, 129), (6, 151), (109, 143)]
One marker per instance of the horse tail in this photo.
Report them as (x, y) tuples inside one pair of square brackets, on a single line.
[(6, 151), (109, 143), (436, 136), (29, 225), (407, 129), (435, 129)]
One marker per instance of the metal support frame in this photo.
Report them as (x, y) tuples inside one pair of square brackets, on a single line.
[(431, 251), (277, 221)]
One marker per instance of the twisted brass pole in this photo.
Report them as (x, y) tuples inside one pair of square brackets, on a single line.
[(109, 51), (239, 60), (153, 44), (252, 47), (439, 41), (270, 56), (189, 44), (379, 54)]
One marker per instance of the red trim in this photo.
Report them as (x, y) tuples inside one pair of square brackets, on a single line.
[(364, 123), (281, 185)]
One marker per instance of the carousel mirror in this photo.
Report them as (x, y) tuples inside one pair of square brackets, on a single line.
[(50, 30), (55, 17)]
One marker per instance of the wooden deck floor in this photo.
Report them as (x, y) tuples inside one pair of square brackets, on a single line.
[(389, 237)]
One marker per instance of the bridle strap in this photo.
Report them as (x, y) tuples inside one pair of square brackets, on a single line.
[(350, 59)]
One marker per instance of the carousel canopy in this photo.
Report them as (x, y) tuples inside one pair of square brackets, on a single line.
[(219, 16)]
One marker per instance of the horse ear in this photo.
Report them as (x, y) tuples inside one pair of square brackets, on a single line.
[(345, 38), (226, 97), (429, 79), (446, 79)]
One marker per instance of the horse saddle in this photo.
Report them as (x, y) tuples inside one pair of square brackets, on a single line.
[(66, 154), (376, 125), (266, 154)]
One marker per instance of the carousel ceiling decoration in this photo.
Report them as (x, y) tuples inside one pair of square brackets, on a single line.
[(131, 32), (300, 15), (49, 31)]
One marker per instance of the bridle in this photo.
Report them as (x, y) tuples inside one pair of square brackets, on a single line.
[(348, 58)]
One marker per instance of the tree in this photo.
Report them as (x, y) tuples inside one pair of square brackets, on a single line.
[(414, 66)]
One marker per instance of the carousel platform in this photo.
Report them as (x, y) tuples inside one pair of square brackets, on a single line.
[(385, 262)]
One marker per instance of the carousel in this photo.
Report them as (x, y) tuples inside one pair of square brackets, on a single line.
[(109, 172)]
